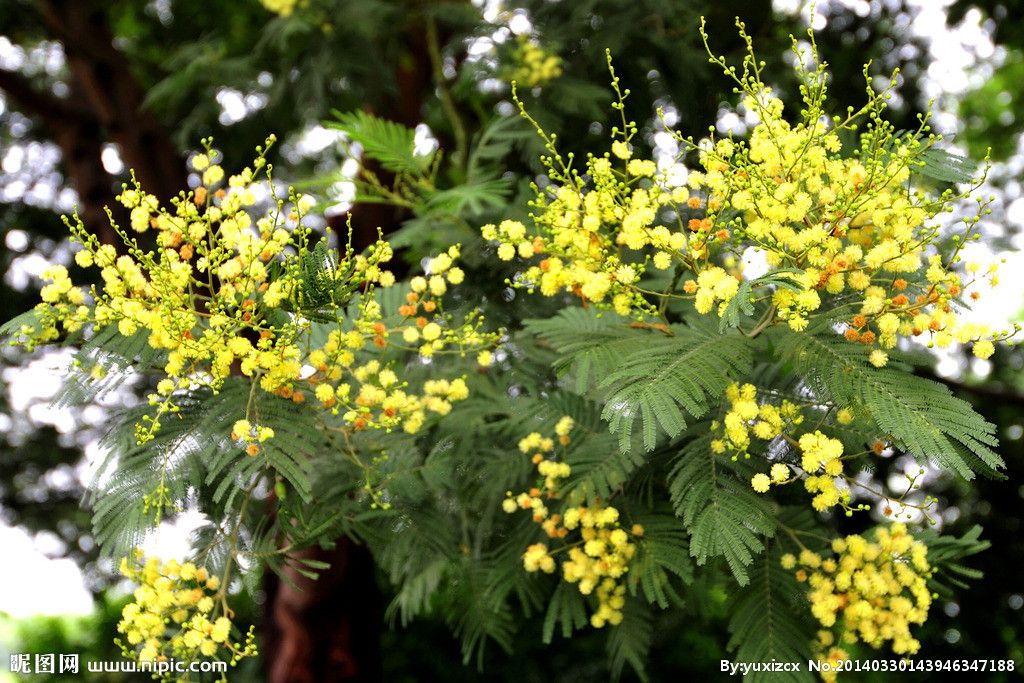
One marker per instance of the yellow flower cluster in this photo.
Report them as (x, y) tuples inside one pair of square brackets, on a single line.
[(746, 418), (595, 230), (820, 460), (64, 305), (845, 231), (174, 614), (234, 289), (849, 226), (533, 65), (779, 474), (600, 557), (251, 435), (872, 591)]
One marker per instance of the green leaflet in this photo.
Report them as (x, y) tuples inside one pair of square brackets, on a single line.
[(922, 416), (193, 451), (566, 607), (723, 514), (770, 621), (939, 164), (324, 288), (391, 144), (493, 144), (13, 326), (662, 557), (945, 554), (130, 471), (741, 306), (645, 375), (472, 198), (296, 441), (630, 641)]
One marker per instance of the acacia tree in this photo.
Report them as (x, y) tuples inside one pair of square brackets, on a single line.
[(430, 485)]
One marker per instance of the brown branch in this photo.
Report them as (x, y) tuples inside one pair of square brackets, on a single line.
[(106, 105), (78, 134), (104, 81), (46, 106)]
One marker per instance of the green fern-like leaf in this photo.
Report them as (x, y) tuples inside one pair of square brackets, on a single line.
[(471, 198), (416, 591), (325, 285), (945, 555), (769, 621), (939, 164), (723, 514), (662, 553), (12, 327), (598, 468), (290, 453), (645, 375), (741, 306), (567, 609), (922, 416), (391, 144), (130, 472), (630, 641), (493, 144), (589, 345), (477, 615), (118, 358)]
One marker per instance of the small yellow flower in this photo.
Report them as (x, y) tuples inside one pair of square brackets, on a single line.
[(621, 150), (431, 331), (983, 349)]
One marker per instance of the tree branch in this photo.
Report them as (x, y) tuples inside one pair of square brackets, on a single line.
[(103, 78), (47, 107)]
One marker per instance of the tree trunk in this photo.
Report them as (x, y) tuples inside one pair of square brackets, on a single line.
[(326, 630)]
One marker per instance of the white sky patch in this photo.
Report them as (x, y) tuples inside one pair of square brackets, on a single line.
[(1002, 304), (40, 380), (317, 139), (490, 9), (343, 192), (16, 240), (519, 23), (171, 539), (111, 159), (36, 584), (753, 263), (424, 142), (236, 105)]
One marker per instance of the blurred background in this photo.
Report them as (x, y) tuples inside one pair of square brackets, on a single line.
[(92, 88)]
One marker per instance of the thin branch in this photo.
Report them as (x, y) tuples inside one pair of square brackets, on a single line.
[(447, 101)]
